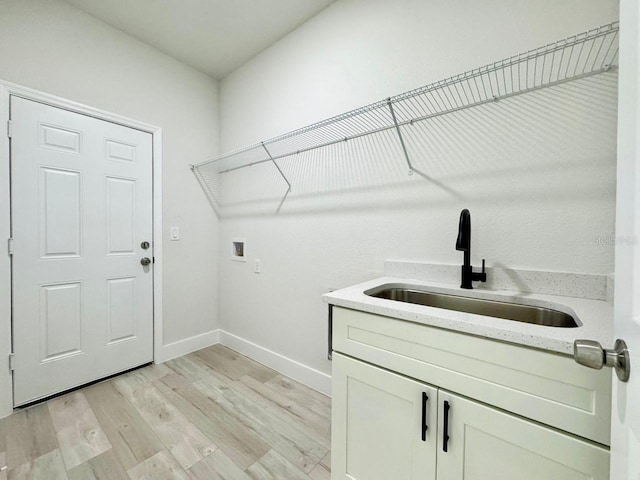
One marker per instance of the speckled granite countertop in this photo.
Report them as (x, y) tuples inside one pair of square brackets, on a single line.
[(596, 316)]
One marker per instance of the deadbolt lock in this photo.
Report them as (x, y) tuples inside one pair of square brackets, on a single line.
[(145, 245)]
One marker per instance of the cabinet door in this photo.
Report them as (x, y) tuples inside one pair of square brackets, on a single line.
[(487, 443), (377, 423)]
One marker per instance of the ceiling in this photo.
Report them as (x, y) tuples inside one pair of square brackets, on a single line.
[(213, 36)]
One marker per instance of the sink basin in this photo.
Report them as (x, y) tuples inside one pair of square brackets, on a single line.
[(490, 308)]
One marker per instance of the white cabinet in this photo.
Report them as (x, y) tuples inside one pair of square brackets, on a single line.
[(486, 443), (378, 426), (379, 413)]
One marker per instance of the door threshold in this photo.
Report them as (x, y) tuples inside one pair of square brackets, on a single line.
[(79, 387)]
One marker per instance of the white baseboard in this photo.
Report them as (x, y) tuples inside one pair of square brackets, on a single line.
[(188, 345), (308, 376)]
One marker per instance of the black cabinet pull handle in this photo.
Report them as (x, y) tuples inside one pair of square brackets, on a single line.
[(425, 427), (445, 433), (330, 331)]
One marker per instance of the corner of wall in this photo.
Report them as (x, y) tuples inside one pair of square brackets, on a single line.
[(188, 345), (302, 373)]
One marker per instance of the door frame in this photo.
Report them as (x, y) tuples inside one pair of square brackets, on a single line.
[(6, 90)]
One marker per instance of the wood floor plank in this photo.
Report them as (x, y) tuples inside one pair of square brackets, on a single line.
[(254, 369), (279, 412), (190, 370), (217, 467), (161, 466), (154, 371), (233, 364), (317, 427), (182, 438), (103, 467), (274, 466), (49, 466), (218, 363), (214, 414), (239, 443), (299, 393), (32, 435), (326, 461), (320, 473), (290, 442), (79, 434), (132, 439)]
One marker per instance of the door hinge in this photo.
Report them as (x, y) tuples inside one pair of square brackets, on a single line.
[(9, 128), (10, 246), (12, 362)]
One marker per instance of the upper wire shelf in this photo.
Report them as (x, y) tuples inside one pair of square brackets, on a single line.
[(579, 56)]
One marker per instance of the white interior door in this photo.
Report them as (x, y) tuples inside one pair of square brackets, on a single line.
[(81, 208), (625, 421)]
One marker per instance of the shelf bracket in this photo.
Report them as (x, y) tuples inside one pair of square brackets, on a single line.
[(209, 193), (278, 167), (404, 147)]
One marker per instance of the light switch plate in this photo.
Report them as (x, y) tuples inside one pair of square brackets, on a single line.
[(175, 233)]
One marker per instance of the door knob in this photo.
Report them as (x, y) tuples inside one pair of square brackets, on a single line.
[(145, 261), (591, 354)]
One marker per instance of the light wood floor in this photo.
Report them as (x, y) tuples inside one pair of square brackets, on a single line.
[(213, 414)]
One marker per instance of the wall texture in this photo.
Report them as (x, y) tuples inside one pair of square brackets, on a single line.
[(537, 172), (53, 47)]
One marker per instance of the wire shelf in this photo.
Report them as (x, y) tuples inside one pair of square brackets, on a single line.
[(582, 55)]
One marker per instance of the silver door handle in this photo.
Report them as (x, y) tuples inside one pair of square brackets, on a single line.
[(591, 354), (145, 261)]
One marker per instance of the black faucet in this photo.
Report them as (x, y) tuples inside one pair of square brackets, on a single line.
[(464, 244)]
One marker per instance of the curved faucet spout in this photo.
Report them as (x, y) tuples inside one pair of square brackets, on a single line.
[(464, 231), (463, 243)]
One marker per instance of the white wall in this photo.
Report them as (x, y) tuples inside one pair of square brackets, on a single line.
[(537, 173), (50, 46)]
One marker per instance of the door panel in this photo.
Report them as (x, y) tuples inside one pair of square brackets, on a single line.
[(58, 138), (121, 207), (60, 212), (121, 308), (377, 424), (625, 414), (81, 205), (120, 151), (487, 443), (60, 320)]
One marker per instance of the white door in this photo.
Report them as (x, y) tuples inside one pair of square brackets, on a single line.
[(81, 192), (625, 418), (484, 443), (379, 421)]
